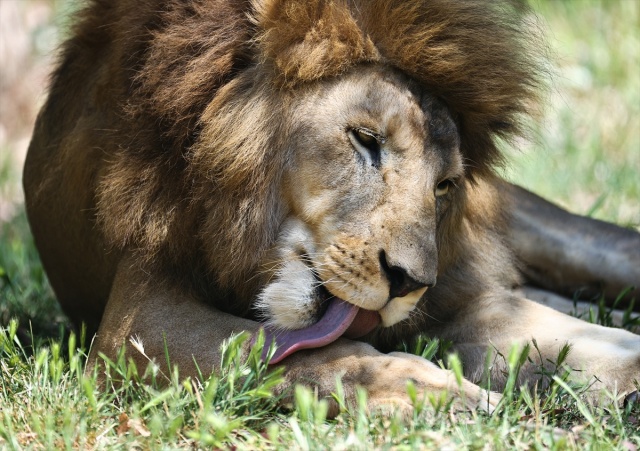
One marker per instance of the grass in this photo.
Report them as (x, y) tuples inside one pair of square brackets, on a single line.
[(587, 155), (48, 402), (586, 158)]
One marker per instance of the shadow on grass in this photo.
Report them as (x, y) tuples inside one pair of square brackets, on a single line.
[(25, 293)]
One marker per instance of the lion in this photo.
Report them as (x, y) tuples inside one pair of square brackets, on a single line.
[(321, 170)]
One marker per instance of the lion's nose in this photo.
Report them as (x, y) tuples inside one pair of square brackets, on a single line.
[(400, 282)]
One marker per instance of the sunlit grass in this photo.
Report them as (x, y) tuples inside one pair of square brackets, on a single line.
[(48, 400)]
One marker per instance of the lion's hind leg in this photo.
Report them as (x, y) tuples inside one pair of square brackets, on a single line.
[(568, 253)]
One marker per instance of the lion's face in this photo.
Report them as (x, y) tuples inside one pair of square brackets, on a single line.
[(374, 166)]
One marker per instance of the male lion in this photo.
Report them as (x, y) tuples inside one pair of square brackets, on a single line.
[(323, 169)]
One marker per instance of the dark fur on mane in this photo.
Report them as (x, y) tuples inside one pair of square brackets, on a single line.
[(194, 92)]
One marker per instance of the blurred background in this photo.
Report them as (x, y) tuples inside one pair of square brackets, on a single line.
[(585, 154)]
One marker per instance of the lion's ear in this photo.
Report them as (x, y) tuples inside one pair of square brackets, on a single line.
[(310, 39)]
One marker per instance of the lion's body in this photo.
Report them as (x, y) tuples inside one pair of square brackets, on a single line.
[(196, 166)]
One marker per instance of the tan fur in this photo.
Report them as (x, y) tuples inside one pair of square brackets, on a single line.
[(197, 167)]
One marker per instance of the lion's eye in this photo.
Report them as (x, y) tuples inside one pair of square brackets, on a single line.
[(367, 143), (443, 187)]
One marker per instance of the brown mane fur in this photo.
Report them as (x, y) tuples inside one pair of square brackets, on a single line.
[(199, 141)]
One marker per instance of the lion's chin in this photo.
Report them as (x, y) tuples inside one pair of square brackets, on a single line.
[(340, 319), (399, 309)]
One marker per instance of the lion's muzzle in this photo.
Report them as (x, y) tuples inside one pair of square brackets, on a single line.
[(401, 281)]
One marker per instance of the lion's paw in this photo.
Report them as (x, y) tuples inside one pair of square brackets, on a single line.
[(434, 384), (386, 379)]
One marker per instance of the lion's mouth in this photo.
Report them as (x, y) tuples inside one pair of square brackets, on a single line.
[(340, 319)]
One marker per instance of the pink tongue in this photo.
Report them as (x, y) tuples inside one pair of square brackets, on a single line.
[(340, 315)]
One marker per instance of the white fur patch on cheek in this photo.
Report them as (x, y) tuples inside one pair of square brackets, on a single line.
[(398, 309), (289, 302)]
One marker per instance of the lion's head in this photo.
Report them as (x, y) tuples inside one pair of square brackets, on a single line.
[(315, 148), (381, 165)]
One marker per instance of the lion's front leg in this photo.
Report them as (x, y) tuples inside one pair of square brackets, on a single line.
[(143, 307), (606, 357), (383, 376)]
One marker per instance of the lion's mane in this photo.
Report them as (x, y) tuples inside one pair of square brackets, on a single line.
[(194, 99)]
